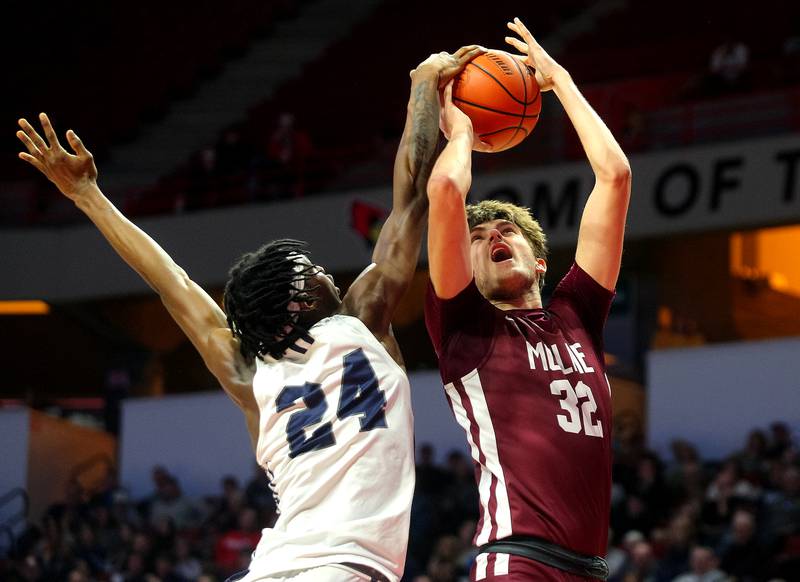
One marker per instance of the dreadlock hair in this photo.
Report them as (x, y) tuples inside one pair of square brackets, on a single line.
[(488, 210), (260, 287)]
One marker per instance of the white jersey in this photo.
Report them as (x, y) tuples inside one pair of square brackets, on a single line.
[(336, 438)]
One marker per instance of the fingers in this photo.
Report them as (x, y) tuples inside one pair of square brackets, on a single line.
[(517, 44), (518, 27), (469, 55), (448, 94), (49, 132), (32, 161), (482, 146), (34, 137), (77, 144), (29, 145), (465, 49)]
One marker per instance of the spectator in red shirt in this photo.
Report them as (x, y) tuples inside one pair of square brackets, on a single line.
[(233, 542)]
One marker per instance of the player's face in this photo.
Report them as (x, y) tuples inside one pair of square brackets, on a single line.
[(502, 260), (328, 298), (328, 294)]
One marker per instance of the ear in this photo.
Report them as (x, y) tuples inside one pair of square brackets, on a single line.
[(541, 266), (307, 305)]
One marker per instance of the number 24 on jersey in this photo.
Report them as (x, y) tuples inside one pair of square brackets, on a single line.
[(360, 396)]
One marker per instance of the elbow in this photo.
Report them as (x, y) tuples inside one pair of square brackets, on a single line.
[(443, 189), (617, 173)]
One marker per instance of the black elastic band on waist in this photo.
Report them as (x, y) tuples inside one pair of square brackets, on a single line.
[(374, 575), (549, 554)]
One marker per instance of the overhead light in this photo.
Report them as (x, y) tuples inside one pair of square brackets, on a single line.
[(33, 307)]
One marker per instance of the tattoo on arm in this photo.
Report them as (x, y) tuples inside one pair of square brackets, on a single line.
[(424, 132)]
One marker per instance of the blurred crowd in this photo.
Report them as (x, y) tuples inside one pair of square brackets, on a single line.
[(165, 537), (679, 519), (673, 520)]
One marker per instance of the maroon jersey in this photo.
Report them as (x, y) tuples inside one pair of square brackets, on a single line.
[(528, 386)]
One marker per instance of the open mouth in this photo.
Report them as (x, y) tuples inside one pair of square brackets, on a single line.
[(500, 253)]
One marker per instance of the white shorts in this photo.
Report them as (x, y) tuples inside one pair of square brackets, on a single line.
[(329, 573)]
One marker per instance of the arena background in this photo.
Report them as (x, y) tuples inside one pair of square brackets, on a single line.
[(219, 126)]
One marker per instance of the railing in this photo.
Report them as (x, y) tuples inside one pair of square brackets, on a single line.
[(735, 117), (10, 522)]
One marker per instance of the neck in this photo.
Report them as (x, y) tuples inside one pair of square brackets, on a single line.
[(531, 299)]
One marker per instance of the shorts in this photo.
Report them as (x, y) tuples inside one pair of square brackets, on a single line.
[(327, 573), (520, 570)]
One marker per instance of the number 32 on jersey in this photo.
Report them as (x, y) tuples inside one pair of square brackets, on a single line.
[(578, 416), (360, 397)]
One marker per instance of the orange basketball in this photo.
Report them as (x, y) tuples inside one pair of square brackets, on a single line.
[(500, 95)]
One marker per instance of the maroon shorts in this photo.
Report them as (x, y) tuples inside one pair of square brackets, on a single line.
[(526, 570)]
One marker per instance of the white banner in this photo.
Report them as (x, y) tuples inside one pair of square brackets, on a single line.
[(717, 187)]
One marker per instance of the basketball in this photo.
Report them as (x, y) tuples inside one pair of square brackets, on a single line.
[(500, 95)]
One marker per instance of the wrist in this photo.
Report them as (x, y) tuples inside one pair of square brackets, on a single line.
[(425, 72), (87, 196), (561, 78), (462, 129)]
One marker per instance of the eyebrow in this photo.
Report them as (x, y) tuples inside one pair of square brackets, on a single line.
[(498, 225)]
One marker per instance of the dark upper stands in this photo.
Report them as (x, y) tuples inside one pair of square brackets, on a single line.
[(105, 67), (350, 101)]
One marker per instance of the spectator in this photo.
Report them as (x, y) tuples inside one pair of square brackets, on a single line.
[(616, 558), (163, 535), (259, 494), (752, 460), (430, 478), (204, 181), (789, 68), (159, 476), (90, 552), (288, 151), (187, 566), (741, 554), (165, 569), (468, 552), (233, 542), (729, 66), (641, 565), (647, 495), (782, 508), (135, 570), (142, 546), (674, 557), (685, 478), (704, 567), (229, 504), (170, 502), (780, 441), (460, 498), (726, 493)]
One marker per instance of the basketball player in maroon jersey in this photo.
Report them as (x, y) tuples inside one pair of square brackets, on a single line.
[(526, 382)]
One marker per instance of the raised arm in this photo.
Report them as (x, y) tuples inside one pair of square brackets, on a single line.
[(602, 229), (451, 178), (191, 307), (374, 297)]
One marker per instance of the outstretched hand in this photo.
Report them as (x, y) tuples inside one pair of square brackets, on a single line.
[(447, 65), (71, 173), (534, 55)]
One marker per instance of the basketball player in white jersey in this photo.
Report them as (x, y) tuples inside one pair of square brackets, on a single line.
[(319, 378)]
